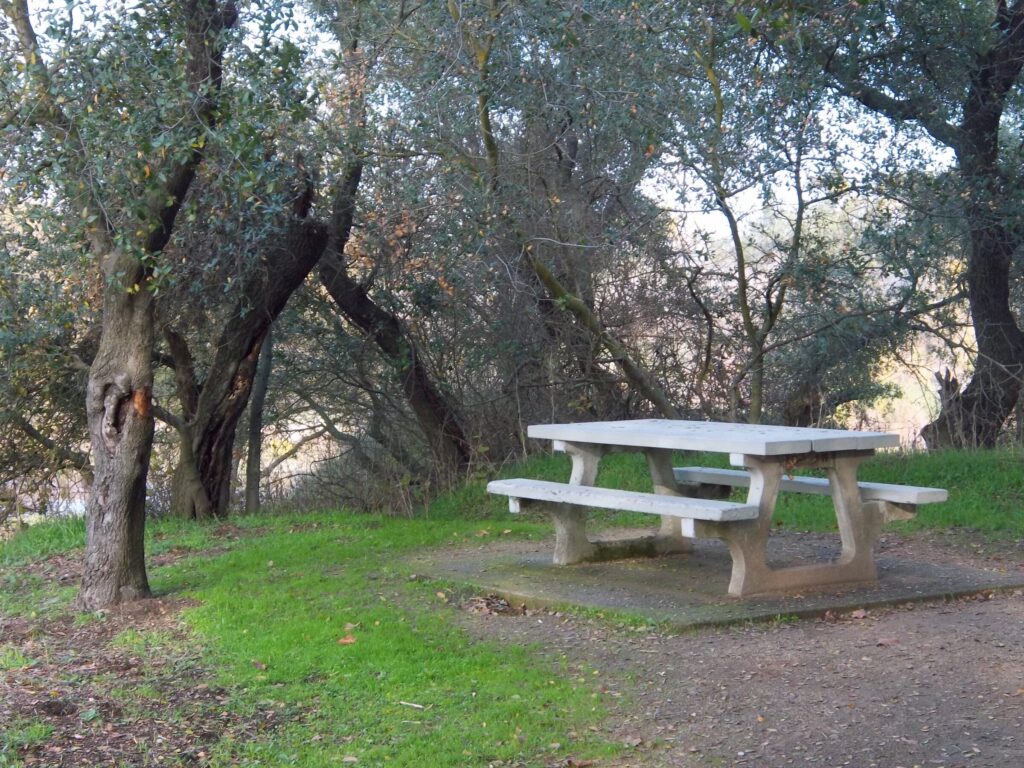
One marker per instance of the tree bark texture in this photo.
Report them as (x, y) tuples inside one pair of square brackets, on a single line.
[(212, 409), (120, 420)]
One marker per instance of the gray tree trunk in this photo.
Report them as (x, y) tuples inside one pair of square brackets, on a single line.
[(120, 419), (119, 394), (254, 458)]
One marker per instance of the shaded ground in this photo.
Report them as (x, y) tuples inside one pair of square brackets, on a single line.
[(688, 591), (937, 684), (125, 687), (90, 693)]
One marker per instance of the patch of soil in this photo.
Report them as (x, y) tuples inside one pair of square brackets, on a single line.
[(111, 701), (64, 569), (231, 531), (176, 554), (938, 684)]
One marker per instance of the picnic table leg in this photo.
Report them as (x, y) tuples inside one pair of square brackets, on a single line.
[(748, 541), (571, 542), (860, 524), (670, 535)]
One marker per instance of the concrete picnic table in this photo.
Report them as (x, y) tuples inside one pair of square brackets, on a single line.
[(689, 499)]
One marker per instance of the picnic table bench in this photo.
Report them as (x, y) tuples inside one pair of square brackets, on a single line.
[(689, 499)]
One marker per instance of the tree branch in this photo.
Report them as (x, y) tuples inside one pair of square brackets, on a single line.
[(169, 418), (920, 110), (296, 447), (77, 459)]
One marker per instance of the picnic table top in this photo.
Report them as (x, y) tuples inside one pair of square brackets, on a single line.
[(720, 437)]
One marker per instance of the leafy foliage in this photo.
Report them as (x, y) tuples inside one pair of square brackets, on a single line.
[(705, 197)]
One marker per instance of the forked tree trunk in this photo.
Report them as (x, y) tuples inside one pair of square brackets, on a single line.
[(201, 486), (211, 410), (120, 419)]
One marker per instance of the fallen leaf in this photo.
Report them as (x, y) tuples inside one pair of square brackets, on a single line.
[(350, 626), (481, 534), (347, 640), (493, 605), (860, 613), (258, 664), (443, 596)]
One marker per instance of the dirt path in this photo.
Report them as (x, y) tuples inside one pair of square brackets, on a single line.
[(931, 685)]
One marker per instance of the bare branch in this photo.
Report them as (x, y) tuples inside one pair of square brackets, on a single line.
[(68, 456)]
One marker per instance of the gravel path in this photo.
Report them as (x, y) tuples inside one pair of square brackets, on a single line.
[(927, 685)]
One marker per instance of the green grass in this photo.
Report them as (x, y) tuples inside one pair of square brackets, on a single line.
[(986, 492), (406, 686), (28, 594), (986, 488), (12, 658), (21, 734), (39, 541), (412, 689)]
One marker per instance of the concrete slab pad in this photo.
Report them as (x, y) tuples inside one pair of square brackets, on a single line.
[(690, 590)]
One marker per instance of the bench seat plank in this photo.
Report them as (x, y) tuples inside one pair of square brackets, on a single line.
[(631, 501), (737, 478)]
